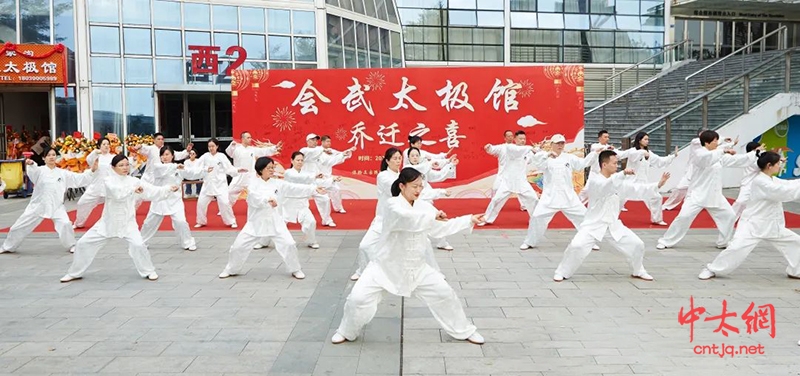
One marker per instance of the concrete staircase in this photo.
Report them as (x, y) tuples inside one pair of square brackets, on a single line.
[(666, 93)]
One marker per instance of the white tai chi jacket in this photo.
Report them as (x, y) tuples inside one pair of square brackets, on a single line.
[(559, 192), (705, 184), (764, 217), (104, 169), (119, 211), (401, 253), (262, 219), (153, 155), (326, 163), (245, 157), (167, 175), (430, 175), (641, 165), (604, 196), (514, 176), (49, 186), (215, 183), (293, 199), (597, 148)]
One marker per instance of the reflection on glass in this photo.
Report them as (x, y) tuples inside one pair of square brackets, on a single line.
[(34, 21), (604, 22), (252, 19), (525, 5), (196, 16), (628, 23), (652, 23), (103, 10), (280, 65), (66, 111), (199, 106), (196, 38), (462, 4), (8, 22), (255, 45), (137, 41), (168, 43), (169, 71), (346, 4), (278, 21), (380, 8), (136, 12), (350, 60), (138, 71), (225, 40), (140, 110), (305, 66), (576, 21), (349, 32), (369, 6), (305, 49), (164, 14), (63, 23), (107, 110), (334, 30), (374, 44), (104, 39), (385, 49), (223, 115), (550, 5), (280, 48), (106, 70), (628, 7), (524, 20), (362, 59), (358, 6), (551, 21), (303, 22), (462, 18), (491, 19), (490, 4), (391, 11), (396, 50), (225, 17)]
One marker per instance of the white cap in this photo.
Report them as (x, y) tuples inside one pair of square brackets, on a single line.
[(311, 136), (558, 138)]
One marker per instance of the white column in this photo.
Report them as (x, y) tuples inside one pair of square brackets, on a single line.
[(83, 90), (322, 33)]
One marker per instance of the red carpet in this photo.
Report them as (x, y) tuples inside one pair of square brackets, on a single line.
[(360, 213)]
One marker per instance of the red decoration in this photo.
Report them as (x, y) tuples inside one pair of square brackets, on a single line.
[(57, 49), (97, 136)]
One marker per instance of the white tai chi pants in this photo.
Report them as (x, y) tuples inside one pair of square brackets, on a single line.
[(528, 199), (324, 206), (584, 195), (677, 194), (244, 243), (630, 245), (237, 186), (541, 217), (723, 216), (362, 303), (654, 205), (27, 222), (335, 195), (179, 225), (372, 237), (787, 242), (741, 201), (224, 205), (86, 204), (308, 225), (91, 242)]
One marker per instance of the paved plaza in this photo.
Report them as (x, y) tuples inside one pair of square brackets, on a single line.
[(600, 322)]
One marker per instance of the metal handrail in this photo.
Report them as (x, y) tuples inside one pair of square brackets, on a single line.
[(666, 48), (779, 30), (708, 93)]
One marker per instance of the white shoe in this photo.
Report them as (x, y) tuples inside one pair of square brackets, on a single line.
[(660, 246), (342, 211), (722, 246), (355, 277), (72, 249), (299, 274), (259, 246), (522, 208), (644, 276), (192, 247), (225, 274), (313, 246), (476, 338), (5, 251), (219, 213), (525, 246), (330, 224), (152, 276), (234, 226), (446, 247), (68, 278), (662, 223), (706, 274), (595, 247), (624, 209), (198, 225), (338, 338), (558, 278)]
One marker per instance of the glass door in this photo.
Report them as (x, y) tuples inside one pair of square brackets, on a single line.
[(196, 118)]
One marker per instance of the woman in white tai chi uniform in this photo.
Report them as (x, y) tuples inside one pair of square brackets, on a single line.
[(264, 221), (294, 203), (167, 174), (47, 202), (93, 194), (119, 221), (390, 170), (416, 142), (750, 172), (215, 184), (705, 191), (399, 266), (192, 162), (604, 191), (763, 220), (429, 175), (641, 162)]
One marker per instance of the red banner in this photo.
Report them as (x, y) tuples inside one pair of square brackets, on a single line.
[(374, 109)]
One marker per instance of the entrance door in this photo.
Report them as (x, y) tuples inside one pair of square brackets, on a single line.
[(195, 117)]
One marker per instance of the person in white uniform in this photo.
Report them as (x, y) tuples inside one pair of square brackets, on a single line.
[(605, 191), (558, 194), (508, 138), (47, 202), (400, 268), (750, 172), (513, 178), (192, 162), (390, 170), (432, 172), (244, 157), (328, 160), (168, 174), (678, 193), (215, 184), (641, 163), (416, 142), (763, 220), (119, 221), (92, 196), (313, 154), (264, 221), (603, 144), (151, 152), (705, 191), (294, 204)]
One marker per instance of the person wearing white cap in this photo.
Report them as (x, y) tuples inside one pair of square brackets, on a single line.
[(512, 178), (605, 191), (705, 191), (313, 154), (558, 194), (244, 157)]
